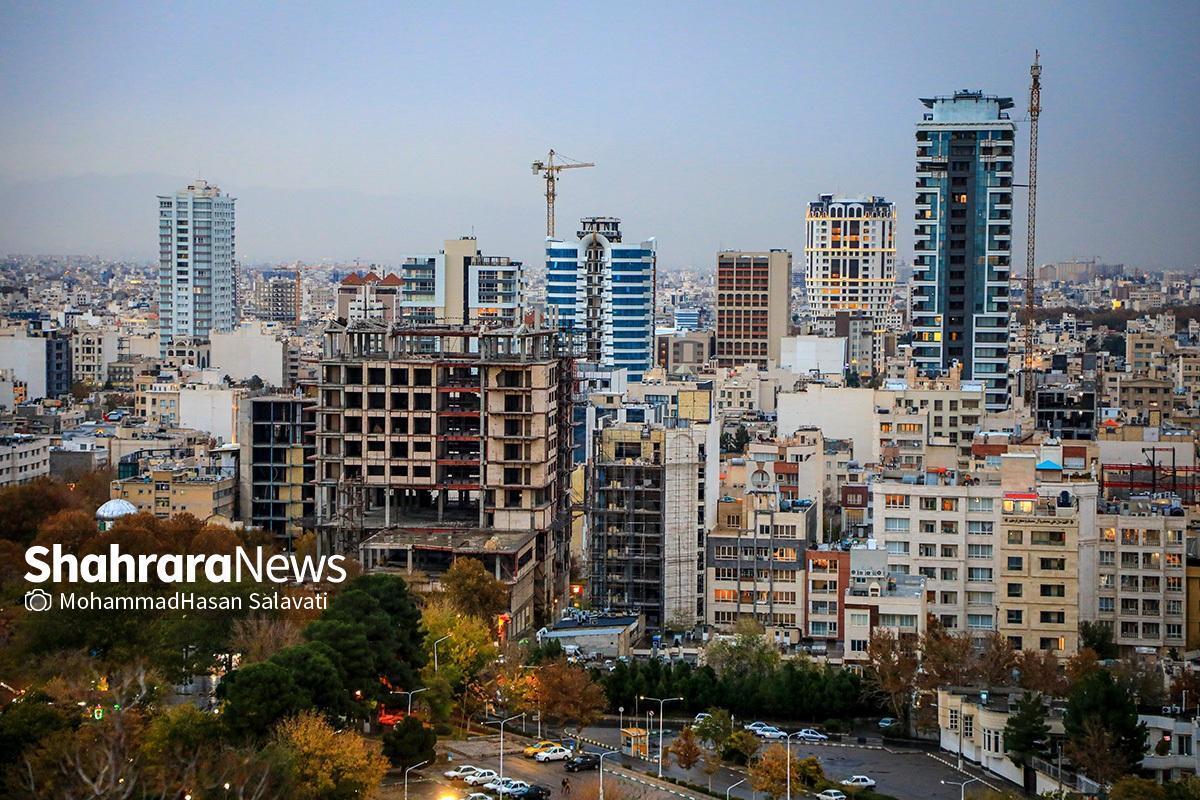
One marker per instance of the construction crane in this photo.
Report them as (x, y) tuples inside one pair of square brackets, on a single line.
[(551, 170), (1035, 109)]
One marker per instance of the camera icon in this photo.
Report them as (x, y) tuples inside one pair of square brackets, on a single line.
[(38, 600)]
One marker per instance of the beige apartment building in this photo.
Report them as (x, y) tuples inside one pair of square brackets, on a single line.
[(167, 492), (1133, 574), (753, 306)]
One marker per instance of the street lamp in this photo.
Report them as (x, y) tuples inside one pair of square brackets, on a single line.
[(734, 786), (962, 787), (661, 719), (410, 696), (621, 720), (602, 755), (435, 657), (500, 778), (789, 763), (409, 769)]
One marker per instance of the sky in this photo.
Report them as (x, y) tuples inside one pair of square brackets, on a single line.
[(371, 131)]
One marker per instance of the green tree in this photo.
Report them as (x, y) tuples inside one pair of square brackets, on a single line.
[(1026, 734), (1132, 787), (1099, 638), (769, 773), (258, 696), (27, 721), (409, 742), (326, 764), (313, 666), (740, 747), (715, 729), (1101, 719)]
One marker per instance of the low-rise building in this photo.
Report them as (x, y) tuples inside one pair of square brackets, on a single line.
[(23, 458), (169, 491)]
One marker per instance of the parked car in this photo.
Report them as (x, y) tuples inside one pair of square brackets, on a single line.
[(888, 723), (754, 726), (506, 786), (768, 732), (478, 796), (553, 754), (813, 735), (534, 792), (582, 761), (461, 772), (534, 749), (859, 782), (831, 794), (482, 777), (703, 715)]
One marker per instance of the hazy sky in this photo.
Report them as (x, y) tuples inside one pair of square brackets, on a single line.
[(372, 131)]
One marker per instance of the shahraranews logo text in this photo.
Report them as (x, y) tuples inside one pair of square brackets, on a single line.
[(118, 567)]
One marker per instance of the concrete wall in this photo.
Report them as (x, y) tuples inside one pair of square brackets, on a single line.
[(211, 409), (247, 351), (840, 413), (25, 356), (806, 355)]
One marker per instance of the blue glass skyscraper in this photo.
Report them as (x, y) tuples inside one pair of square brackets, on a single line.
[(602, 291), (963, 237)]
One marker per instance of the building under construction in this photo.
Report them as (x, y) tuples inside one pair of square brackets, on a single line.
[(651, 497), (436, 442)]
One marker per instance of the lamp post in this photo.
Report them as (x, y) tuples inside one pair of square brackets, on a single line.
[(621, 719), (408, 770), (661, 702), (435, 654), (962, 787), (500, 777), (410, 696), (734, 786), (789, 763), (602, 756)]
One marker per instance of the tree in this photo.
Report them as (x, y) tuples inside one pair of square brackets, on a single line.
[(258, 696), (1183, 789), (1102, 728), (28, 721), (469, 651), (1026, 733), (740, 747), (259, 637), (1040, 672), (326, 764), (769, 773), (23, 507), (748, 655), (313, 669), (715, 729), (1080, 665), (686, 748), (475, 591), (567, 694), (409, 742), (892, 671), (1132, 787), (947, 659), (1098, 638), (996, 661)]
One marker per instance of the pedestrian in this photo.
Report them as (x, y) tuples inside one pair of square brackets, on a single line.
[(566, 787)]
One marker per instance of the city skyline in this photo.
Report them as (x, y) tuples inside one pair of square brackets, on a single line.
[(300, 128)]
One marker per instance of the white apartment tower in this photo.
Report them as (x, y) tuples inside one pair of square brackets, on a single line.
[(195, 263), (850, 255)]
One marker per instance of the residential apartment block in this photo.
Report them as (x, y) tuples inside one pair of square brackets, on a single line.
[(850, 256), (753, 306)]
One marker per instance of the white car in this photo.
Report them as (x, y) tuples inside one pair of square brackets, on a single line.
[(461, 773), (832, 794), (553, 754), (767, 732), (482, 777), (478, 796), (812, 735), (755, 726), (506, 786), (703, 715), (859, 782)]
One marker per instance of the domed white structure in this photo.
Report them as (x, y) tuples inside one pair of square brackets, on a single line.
[(112, 511)]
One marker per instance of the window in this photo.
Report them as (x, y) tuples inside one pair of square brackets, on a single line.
[(1052, 643), (860, 618), (1014, 590), (1016, 563), (1054, 538), (979, 504), (979, 527), (979, 574), (1053, 564), (1014, 616), (1107, 604), (1053, 617), (1053, 590), (979, 622), (896, 524), (895, 501), (858, 645), (979, 551), (953, 719), (1016, 537), (968, 725)]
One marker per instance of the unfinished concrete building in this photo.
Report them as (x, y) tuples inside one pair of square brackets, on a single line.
[(651, 497), (435, 442)]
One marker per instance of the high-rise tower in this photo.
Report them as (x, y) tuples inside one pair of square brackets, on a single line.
[(195, 263), (753, 306), (603, 293), (964, 239), (850, 256)]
